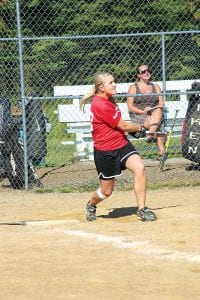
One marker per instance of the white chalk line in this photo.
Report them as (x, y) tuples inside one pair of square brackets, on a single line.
[(49, 222), (142, 247)]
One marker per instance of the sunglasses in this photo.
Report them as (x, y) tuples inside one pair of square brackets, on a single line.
[(145, 71)]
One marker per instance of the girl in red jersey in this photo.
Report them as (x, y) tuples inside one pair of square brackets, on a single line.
[(112, 150)]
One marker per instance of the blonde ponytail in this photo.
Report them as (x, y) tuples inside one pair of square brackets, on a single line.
[(98, 81), (87, 97)]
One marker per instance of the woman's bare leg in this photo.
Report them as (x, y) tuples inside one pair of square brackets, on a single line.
[(152, 123), (155, 119), (160, 145), (136, 165), (106, 187), (105, 190)]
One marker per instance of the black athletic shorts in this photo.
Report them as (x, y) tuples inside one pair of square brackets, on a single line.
[(109, 164)]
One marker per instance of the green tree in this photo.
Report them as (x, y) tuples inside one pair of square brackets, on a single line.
[(49, 62)]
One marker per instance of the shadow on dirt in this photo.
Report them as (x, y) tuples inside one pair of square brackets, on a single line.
[(128, 211), (120, 212)]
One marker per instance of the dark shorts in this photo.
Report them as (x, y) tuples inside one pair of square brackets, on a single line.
[(109, 164)]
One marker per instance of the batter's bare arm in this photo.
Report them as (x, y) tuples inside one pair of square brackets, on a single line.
[(129, 126), (134, 129)]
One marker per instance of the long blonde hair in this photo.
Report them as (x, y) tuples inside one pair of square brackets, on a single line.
[(98, 80)]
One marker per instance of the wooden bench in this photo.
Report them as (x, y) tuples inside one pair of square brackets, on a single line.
[(79, 122)]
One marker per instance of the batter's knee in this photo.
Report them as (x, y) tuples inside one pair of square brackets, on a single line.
[(103, 195), (140, 170)]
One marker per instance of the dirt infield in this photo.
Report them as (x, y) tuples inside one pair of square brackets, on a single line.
[(57, 254), (83, 174)]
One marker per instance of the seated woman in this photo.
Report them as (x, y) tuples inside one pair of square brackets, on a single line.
[(147, 110)]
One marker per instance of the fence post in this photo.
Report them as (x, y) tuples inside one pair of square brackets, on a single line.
[(22, 91), (163, 71)]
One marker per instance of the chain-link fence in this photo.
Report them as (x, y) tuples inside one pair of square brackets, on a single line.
[(49, 53)]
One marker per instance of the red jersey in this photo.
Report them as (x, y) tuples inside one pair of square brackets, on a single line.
[(105, 116)]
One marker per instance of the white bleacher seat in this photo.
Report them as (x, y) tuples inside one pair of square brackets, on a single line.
[(79, 122)]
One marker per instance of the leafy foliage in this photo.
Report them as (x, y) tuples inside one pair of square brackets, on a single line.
[(70, 41)]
